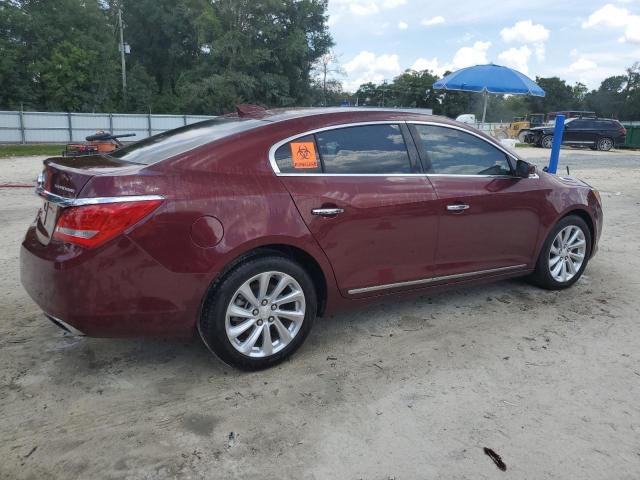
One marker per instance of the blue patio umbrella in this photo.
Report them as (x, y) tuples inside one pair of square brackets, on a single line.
[(488, 79)]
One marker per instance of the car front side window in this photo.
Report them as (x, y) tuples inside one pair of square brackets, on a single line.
[(366, 149), (454, 152)]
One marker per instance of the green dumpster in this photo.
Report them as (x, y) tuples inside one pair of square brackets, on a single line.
[(633, 134)]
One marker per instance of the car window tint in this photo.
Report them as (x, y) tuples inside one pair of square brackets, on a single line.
[(604, 124), (369, 149), (298, 156), (454, 152), (180, 140)]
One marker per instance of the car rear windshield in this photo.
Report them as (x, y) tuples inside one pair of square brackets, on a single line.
[(174, 142)]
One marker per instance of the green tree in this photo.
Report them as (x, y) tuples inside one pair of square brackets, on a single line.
[(62, 52)]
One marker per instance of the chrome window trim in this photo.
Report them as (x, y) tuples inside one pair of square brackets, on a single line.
[(425, 281), (79, 202), (276, 146)]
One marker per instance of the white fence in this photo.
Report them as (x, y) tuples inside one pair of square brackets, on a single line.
[(46, 127)]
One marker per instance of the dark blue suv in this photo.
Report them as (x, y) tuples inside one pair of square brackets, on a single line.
[(597, 133)]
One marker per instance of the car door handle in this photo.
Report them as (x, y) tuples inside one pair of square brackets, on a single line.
[(458, 207), (327, 212)]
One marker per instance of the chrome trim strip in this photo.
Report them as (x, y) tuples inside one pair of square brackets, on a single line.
[(451, 175), (424, 281), (65, 326), (276, 146), (79, 202)]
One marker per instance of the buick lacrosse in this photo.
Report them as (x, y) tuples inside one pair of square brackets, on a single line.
[(245, 228)]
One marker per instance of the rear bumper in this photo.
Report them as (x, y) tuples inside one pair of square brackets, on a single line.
[(117, 290)]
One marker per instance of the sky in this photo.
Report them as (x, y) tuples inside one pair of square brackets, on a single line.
[(580, 41)]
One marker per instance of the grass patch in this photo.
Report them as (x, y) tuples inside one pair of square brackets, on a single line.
[(524, 145), (41, 149)]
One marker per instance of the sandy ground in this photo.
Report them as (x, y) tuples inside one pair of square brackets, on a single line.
[(405, 390)]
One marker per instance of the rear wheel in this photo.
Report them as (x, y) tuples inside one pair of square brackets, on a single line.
[(564, 255), (605, 144), (547, 141), (259, 313)]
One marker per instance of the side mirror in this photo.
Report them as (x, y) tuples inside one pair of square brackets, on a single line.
[(524, 169)]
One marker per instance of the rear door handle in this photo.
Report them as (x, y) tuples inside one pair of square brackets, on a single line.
[(327, 212), (458, 207)]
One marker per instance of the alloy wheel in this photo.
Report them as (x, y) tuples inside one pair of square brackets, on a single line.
[(265, 314), (547, 141), (567, 253), (605, 144)]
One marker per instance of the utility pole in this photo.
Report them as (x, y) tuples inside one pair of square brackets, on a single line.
[(122, 53), (325, 66)]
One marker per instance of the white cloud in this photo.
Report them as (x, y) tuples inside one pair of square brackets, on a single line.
[(369, 67), (474, 55), (525, 31), (437, 20), (609, 16), (582, 65), (368, 7), (425, 64), (403, 25), (393, 3), (616, 17), (464, 57), (517, 58)]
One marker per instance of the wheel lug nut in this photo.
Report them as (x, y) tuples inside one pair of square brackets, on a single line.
[(270, 319), (264, 302), (260, 322), (274, 306), (255, 312)]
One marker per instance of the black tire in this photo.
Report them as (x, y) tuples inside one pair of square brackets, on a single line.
[(542, 276), (212, 321), (546, 141), (604, 144)]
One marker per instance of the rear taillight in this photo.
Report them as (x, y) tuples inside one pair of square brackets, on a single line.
[(92, 225), (623, 131)]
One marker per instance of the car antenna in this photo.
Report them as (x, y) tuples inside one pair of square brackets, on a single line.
[(568, 174)]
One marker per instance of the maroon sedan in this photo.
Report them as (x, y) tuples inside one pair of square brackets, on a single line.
[(247, 227)]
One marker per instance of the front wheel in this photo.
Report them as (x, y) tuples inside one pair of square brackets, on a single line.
[(564, 255), (547, 141), (259, 313)]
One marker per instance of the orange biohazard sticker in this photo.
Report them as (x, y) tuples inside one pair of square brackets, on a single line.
[(304, 155)]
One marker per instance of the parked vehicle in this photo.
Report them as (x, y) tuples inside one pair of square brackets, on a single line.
[(101, 142), (247, 228), (520, 127), (468, 118), (597, 133), (551, 116)]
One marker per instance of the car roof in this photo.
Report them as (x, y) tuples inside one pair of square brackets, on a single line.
[(281, 114), (337, 115)]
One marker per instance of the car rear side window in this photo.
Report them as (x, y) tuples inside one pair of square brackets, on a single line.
[(299, 156), (454, 152), (367, 149)]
